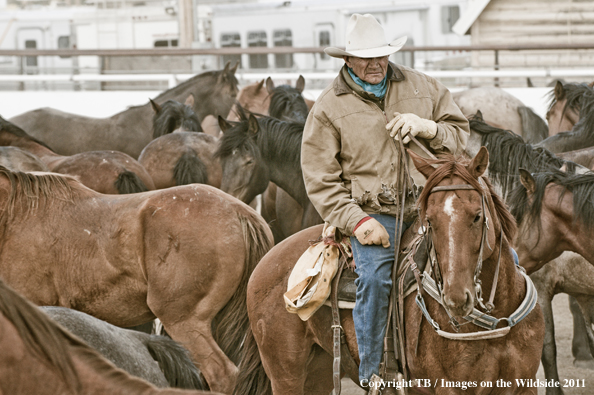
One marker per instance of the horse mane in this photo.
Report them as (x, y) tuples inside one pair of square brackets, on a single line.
[(47, 340), (27, 188), (285, 98), (211, 78), (275, 139), (52, 343), (172, 115), (13, 129), (450, 166), (581, 185), (508, 152)]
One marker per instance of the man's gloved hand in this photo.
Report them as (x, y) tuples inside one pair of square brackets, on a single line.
[(411, 124), (372, 232)]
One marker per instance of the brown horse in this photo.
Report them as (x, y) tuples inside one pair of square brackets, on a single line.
[(128, 131), (296, 355), (556, 214), (183, 157), (181, 254), (103, 171), (39, 357)]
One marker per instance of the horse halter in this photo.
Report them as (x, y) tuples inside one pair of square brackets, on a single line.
[(489, 306)]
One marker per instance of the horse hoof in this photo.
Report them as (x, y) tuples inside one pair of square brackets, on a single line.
[(584, 364)]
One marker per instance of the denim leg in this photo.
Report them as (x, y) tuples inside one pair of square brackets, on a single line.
[(370, 315)]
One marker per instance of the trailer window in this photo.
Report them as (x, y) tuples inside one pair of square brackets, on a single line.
[(165, 43), (324, 41), (231, 40), (64, 43), (258, 39), (31, 60), (283, 38)]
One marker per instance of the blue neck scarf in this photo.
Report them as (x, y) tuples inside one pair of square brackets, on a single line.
[(379, 90)]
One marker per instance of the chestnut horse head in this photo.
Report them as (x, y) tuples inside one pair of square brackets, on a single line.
[(465, 219), (564, 107)]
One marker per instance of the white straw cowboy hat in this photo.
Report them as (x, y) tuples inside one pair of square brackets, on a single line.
[(365, 38)]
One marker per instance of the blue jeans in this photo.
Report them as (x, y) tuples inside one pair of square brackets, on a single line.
[(370, 315)]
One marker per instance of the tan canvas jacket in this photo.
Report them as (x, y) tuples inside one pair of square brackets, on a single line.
[(350, 166)]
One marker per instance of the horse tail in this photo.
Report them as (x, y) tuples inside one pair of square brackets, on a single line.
[(129, 182), (190, 169), (175, 362), (231, 323), (252, 378)]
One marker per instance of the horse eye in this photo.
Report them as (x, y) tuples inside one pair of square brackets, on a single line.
[(249, 162), (477, 218)]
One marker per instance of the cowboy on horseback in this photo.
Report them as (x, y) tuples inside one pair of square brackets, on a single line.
[(351, 165)]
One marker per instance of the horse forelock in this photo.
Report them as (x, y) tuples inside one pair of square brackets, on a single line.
[(174, 114), (285, 98), (450, 167), (27, 189), (47, 340)]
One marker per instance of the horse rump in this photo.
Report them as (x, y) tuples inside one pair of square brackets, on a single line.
[(190, 169), (129, 182)]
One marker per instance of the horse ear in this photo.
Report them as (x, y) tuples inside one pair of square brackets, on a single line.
[(234, 68), (155, 106), (269, 85), (259, 86), (591, 84), (479, 116), (479, 163), (528, 181), (559, 91), (223, 124), (421, 164), (300, 84), (253, 125), (190, 101), (226, 69)]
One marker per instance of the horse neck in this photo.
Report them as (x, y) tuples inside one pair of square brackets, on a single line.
[(284, 173), (27, 144), (200, 87)]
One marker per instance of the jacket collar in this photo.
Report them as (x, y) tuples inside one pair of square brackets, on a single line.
[(341, 87)]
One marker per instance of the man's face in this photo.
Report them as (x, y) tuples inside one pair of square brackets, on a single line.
[(372, 70)]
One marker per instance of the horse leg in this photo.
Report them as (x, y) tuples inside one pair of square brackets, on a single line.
[(549, 349), (195, 334), (585, 311), (319, 379), (579, 344)]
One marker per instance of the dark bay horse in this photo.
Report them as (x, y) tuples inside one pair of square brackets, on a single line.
[(110, 172), (133, 351), (268, 150), (582, 133), (181, 254), (287, 102), (39, 357), (183, 157), (296, 355), (130, 130), (555, 213)]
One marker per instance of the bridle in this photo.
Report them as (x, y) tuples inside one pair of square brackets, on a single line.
[(489, 306), (477, 317)]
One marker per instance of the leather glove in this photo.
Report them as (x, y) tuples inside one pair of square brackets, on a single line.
[(372, 232), (411, 124)]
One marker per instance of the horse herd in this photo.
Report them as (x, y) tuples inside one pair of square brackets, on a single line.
[(146, 215)]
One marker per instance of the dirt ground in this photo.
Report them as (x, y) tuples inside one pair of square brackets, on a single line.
[(563, 335)]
